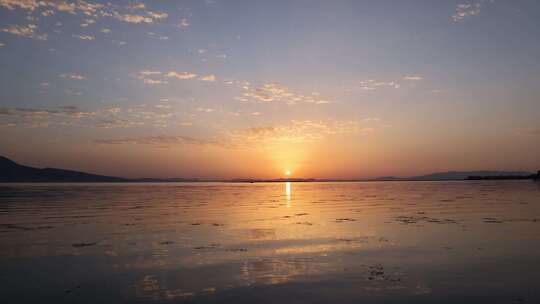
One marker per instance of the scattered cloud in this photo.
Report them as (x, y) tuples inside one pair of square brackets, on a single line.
[(275, 92), (21, 4), (137, 5), (469, 9), (131, 18), (105, 30), (372, 84), (296, 131), (88, 9), (28, 31)]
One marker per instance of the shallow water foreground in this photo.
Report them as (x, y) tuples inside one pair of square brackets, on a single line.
[(387, 242)]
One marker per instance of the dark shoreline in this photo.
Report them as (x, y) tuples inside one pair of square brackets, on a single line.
[(12, 172)]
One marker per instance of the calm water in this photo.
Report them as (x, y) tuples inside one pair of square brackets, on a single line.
[(393, 242)]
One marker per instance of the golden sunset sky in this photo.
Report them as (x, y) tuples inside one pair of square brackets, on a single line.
[(250, 89)]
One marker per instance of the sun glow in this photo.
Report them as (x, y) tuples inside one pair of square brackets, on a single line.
[(288, 172)]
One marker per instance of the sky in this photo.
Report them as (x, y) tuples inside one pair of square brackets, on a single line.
[(251, 89)]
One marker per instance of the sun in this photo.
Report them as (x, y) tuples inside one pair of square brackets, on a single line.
[(287, 172)]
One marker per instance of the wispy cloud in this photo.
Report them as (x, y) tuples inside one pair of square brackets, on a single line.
[(21, 4), (295, 131), (159, 140), (71, 111), (528, 131), (210, 77), (180, 75), (112, 117), (158, 77), (157, 36), (158, 15), (413, 77), (206, 110), (371, 84)]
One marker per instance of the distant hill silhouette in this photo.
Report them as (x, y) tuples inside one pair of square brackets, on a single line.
[(10, 171), (458, 175)]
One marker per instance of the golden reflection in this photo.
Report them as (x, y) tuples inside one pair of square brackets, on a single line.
[(288, 193)]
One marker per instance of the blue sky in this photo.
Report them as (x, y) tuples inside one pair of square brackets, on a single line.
[(218, 88)]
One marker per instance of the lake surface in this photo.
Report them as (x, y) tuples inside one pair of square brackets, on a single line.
[(373, 242)]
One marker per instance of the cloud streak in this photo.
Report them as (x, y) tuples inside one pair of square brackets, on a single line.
[(275, 92), (292, 132)]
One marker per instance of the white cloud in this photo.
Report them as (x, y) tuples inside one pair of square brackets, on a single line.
[(73, 76), (85, 37), (413, 77), (184, 23)]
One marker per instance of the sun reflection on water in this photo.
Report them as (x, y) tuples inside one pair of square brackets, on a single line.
[(288, 193)]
